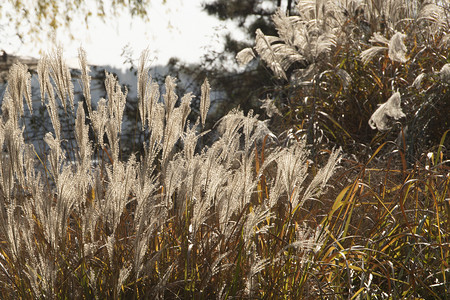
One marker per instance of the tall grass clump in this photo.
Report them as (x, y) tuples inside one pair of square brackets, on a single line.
[(373, 77), (175, 221), (337, 61), (389, 228)]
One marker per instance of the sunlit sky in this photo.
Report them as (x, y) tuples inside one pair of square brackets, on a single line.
[(175, 29)]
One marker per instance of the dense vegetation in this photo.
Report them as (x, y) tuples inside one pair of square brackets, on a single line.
[(346, 200)]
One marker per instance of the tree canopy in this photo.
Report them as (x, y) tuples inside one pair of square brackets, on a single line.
[(29, 19)]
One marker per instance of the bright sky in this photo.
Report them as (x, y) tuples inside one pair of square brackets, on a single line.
[(176, 29)]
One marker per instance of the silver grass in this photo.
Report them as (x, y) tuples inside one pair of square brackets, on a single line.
[(172, 182), (378, 38), (32, 276), (301, 39), (320, 180), (436, 15), (263, 46), (286, 27), (47, 274), (395, 46), (15, 146), (82, 137), (444, 73), (269, 106), (113, 138), (141, 245), (218, 266), (346, 79), (254, 131), (49, 219), (85, 79), (116, 101), (216, 175), (221, 177), (121, 179), (33, 177), (310, 35), (155, 141), (307, 8), (123, 275), (251, 283), (172, 132), (54, 116), (391, 10), (10, 110), (46, 87), (99, 118), (60, 74), (369, 54), (110, 240), (170, 97), (245, 56), (397, 49), (205, 100), (148, 93), (227, 203), (308, 239), (190, 138), (418, 81), (56, 156), (389, 109), (323, 44), (254, 219), (143, 80), (19, 86), (183, 188), (192, 186), (13, 232), (43, 76), (291, 172), (152, 105), (185, 108), (54, 217), (89, 220), (232, 199), (200, 210), (6, 173), (2, 136), (67, 193), (90, 248), (147, 216), (287, 55)]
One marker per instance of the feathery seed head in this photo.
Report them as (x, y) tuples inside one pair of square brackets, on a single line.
[(19, 86), (205, 101), (391, 108), (397, 48), (245, 56), (444, 73), (85, 78)]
